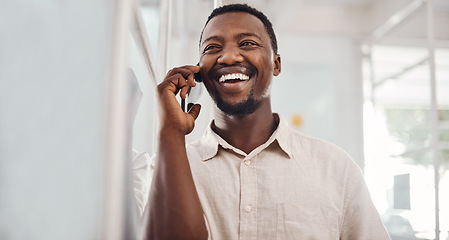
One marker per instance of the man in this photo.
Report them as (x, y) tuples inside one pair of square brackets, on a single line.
[(250, 176)]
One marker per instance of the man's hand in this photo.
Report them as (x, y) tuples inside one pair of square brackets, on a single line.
[(178, 80), (174, 209)]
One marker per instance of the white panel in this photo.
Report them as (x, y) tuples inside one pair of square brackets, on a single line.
[(320, 81), (54, 65), (144, 123)]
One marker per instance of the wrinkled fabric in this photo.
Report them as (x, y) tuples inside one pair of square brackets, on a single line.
[(292, 187), (142, 178)]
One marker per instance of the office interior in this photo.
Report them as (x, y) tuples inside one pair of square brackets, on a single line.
[(77, 96)]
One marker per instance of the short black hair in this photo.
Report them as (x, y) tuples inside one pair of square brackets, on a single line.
[(248, 9)]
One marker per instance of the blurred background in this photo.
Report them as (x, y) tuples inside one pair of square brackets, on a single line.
[(77, 94)]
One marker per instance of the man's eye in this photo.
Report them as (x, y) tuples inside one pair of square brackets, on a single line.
[(211, 48), (248, 43)]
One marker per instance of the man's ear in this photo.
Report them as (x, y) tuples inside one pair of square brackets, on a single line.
[(277, 64)]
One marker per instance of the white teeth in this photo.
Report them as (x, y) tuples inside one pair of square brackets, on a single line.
[(230, 76)]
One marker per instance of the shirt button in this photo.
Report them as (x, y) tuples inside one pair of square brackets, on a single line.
[(248, 208), (247, 162)]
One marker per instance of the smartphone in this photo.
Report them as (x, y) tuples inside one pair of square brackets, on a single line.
[(194, 93)]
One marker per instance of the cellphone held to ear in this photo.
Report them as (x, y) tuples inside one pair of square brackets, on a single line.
[(193, 94)]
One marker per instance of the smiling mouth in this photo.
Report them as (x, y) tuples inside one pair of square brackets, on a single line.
[(233, 77)]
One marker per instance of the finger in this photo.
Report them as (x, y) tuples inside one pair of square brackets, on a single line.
[(194, 69), (177, 83), (188, 72), (184, 70), (195, 111), (184, 89), (191, 80), (189, 75)]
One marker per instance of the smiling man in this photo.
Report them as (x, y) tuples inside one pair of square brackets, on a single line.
[(250, 176)]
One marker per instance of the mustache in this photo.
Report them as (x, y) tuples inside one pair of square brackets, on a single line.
[(218, 70)]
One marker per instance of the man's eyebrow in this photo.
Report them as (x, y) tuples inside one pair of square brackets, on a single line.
[(241, 35), (238, 36), (217, 38)]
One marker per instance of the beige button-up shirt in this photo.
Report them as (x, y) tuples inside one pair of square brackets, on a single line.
[(292, 187)]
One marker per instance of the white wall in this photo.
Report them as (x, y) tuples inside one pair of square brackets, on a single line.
[(54, 80), (320, 81)]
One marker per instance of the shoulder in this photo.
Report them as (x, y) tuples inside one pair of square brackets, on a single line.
[(316, 147), (194, 147), (323, 158), (196, 150)]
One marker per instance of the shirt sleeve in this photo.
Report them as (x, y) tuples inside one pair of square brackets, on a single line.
[(361, 219), (143, 166)]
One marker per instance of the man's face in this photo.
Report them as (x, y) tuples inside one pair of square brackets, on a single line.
[(237, 62)]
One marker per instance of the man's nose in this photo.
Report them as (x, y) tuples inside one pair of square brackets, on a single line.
[(230, 56)]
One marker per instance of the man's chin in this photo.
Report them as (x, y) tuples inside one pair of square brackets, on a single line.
[(243, 108)]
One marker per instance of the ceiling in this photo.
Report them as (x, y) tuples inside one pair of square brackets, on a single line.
[(353, 18)]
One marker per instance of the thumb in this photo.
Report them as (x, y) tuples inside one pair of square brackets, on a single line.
[(195, 111)]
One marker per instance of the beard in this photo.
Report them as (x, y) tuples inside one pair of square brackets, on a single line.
[(246, 106), (242, 108)]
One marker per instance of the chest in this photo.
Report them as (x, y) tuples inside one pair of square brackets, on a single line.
[(268, 195)]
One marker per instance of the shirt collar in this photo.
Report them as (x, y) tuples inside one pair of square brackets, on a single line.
[(210, 141)]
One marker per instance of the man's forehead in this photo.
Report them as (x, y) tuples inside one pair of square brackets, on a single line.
[(234, 21)]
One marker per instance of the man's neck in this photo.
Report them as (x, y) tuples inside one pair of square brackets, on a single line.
[(246, 132)]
